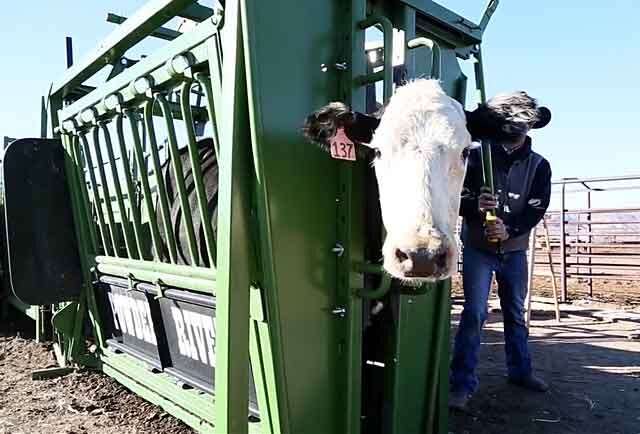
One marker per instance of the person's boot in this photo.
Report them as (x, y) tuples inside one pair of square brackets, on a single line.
[(459, 400), (530, 382)]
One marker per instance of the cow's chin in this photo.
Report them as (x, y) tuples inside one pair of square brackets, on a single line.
[(398, 270)]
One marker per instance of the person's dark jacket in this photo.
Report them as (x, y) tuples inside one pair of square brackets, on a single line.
[(522, 183)]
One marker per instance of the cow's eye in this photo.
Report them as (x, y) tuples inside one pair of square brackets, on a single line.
[(377, 153), (465, 153)]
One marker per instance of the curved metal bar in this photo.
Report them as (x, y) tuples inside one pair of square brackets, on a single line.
[(126, 224), (131, 192), (205, 82), (144, 179), (385, 282), (436, 57), (104, 233), (387, 73), (178, 172), (115, 239), (162, 191), (196, 167)]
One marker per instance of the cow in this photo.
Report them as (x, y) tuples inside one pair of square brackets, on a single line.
[(419, 147)]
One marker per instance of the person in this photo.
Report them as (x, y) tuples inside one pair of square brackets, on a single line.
[(522, 185)]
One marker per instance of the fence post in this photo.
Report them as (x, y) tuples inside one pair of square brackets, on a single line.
[(531, 265), (589, 228), (563, 246)]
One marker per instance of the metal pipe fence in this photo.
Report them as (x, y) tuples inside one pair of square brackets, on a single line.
[(584, 244)]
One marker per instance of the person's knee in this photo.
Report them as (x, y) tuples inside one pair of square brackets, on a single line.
[(513, 314), (474, 316)]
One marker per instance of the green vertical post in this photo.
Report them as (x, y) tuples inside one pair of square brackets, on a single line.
[(233, 277)]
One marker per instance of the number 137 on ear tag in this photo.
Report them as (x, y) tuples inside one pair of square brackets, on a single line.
[(342, 148)]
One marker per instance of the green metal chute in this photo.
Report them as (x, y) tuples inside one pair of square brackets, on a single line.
[(260, 289)]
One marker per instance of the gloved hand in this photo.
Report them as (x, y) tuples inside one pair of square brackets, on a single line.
[(496, 231), (486, 200)]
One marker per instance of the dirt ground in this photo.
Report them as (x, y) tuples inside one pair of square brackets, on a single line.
[(82, 402), (592, 365)]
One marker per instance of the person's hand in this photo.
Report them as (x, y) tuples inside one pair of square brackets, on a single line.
[(496, 231), (486, 200)]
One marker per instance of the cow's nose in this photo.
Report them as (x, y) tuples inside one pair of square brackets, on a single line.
[(422, 262)]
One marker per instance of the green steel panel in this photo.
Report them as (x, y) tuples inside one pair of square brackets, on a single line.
[(296, 196), (234, 250)]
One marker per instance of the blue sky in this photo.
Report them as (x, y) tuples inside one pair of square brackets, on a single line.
[(580, 58)]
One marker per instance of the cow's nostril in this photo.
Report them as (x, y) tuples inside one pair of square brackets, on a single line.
[(401, 256)]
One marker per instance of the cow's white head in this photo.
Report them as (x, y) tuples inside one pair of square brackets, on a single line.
[(421, 144), (421, 147)]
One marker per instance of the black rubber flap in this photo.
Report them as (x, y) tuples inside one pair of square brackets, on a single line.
[(132, 321), (44, 263), (189, 321)]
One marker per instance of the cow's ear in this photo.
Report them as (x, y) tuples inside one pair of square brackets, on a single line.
[(482, 124), (321, 125)]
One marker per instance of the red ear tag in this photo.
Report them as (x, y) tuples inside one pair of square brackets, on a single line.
[(342, 148)]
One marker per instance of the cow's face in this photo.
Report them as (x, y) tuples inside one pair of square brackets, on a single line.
[(421, 150)]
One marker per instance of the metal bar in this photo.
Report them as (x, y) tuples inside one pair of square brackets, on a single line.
[(553, 275), (86, 301), (196, 12), (133, 202), (531, 265), (160, 32), (148, 18), (600, 190), (69, 46), (80, 179), (602, 234), (603, 276), (190, 42), (596, 210), (196, 169), (159, 267), (162, 190), (191, 406), (104, 233), (607, 246), (126, 224), (178, 172), (142, 170), (608, 256), (622, 267), (232, 297), (440, 17), (604, 179), (436, 58), (113, 229), (612, 222), (205, 286), (205, 81), (385, 281), (488, 13), (387, 29), (563, 248)]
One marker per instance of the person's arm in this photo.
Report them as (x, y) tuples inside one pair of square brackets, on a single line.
[(537, 202)]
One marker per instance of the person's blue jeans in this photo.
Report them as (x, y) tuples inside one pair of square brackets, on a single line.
[(511, 275)]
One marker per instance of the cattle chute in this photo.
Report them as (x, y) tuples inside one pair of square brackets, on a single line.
[(266, 321)]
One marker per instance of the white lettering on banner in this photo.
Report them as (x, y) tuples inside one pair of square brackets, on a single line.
[(196, 335), (132, 317)]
